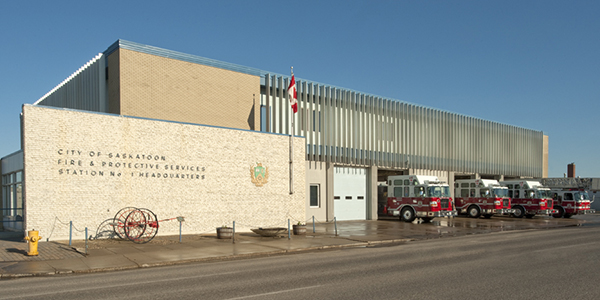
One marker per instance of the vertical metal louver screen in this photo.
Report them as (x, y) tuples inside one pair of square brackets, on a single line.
[(85, 89), (351, 128)]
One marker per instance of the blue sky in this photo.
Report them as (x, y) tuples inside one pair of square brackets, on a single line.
[(534, 64)]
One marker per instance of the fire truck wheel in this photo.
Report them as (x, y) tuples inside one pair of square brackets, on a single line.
[(474, 211), (568, 215), (519, 212), (560, 213), (407, 214)]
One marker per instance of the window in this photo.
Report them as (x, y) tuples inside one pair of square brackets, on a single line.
[(464, 193), (398, 191), (406, 191), (398, 182), (419, 191), (484, 193), (568, 196), (263, 118), (517, 194), (12, 200), (464, 184), (500, 192), (406, 182), (315, 200), (472, 193), (435, 191), (438, 191)]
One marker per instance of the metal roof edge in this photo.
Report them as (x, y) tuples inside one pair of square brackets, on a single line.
[(157, 120), (12, 154), (123, 44)]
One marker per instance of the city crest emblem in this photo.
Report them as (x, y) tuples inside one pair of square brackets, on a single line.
[(259, 174)]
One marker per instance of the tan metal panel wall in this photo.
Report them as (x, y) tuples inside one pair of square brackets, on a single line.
[(163, 88)]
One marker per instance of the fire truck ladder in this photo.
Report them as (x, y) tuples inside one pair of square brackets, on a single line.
[(567, 183)]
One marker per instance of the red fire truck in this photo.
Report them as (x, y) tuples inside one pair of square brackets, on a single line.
[(570, 202), (477, 197), (529, 198), (418, 196)]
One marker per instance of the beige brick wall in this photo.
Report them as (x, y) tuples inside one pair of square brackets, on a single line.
[(169, 89), (72, 173)]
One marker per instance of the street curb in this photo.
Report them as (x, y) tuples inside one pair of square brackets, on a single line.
[(207, 259), (159, 264), (128, 263)]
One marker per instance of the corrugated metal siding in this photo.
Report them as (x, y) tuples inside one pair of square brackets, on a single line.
[(85, 89), (352, 128)]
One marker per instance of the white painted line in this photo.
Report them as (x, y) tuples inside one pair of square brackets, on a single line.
[(274, 293)]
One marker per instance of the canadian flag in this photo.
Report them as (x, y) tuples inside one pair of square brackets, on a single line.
[(292, 94)]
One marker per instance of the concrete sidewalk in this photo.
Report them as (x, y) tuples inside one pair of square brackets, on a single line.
[(111, 254)]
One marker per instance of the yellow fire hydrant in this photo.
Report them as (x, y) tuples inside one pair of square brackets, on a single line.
[(32, 239)]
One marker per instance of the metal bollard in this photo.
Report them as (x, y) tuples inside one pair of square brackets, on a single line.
[(313, 224), (70, 232), (180, 219), (32, 239), (335, 223)]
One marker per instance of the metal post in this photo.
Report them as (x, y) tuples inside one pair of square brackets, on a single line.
[(291, 142), (289, 233), (180, 219), (313, 224), (86, 241), (70, 232), (233, 233), (335, 224)]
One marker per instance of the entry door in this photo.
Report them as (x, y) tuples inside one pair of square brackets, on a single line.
[(349, 193)]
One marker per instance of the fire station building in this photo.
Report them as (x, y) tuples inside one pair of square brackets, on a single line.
[(184, 135)]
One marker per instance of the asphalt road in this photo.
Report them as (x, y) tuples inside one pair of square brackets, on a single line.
[(533, 264)]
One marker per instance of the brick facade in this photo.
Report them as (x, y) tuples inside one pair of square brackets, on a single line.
[(84, 167), (163, 88)]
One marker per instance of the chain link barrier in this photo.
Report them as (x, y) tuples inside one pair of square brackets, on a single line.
[(112, 223)]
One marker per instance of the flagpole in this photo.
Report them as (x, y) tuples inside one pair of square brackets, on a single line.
[(292, 148)]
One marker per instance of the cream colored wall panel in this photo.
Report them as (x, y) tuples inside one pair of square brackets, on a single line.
[(84, 167)]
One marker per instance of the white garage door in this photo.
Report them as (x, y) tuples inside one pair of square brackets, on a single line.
[(349, 193)]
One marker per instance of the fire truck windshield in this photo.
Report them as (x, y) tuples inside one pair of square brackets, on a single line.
[(500, 193), (439, 191), (542, 194), (585, 196)]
